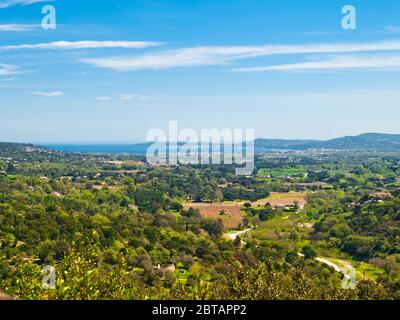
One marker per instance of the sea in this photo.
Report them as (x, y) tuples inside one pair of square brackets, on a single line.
[(139, 149), (136, 149)]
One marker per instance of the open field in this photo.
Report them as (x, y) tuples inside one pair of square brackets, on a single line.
[(283, 199), (233, 217), (101, 187), (229, 213), (274, 229), (364, 270), (281, 172), (368, 271)]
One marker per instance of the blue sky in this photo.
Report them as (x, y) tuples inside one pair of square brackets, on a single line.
[(113, 70)]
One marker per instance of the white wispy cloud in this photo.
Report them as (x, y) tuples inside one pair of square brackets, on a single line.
[(48, 94), (83, 45), (383, 62), (207, 56), (132, 97), (17, 27), (7, 69), (11, 3), (128, 97)]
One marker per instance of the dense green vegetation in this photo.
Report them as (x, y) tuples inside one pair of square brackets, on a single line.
[(115, 228)]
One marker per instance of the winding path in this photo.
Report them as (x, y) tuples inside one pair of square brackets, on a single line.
[(343, 270), (235, 234)]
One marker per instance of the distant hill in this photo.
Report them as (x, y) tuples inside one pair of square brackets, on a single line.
[(11, 147), (22, 150), (366, 141)]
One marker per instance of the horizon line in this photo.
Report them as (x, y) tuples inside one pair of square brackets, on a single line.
[(137, 142)]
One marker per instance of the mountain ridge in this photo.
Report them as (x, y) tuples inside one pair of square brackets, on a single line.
[(365, 141)]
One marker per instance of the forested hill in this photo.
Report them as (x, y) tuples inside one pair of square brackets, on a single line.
[(20, 151), (11, 147), (367, 141)]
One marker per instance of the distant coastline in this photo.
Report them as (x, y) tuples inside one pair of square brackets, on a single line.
[(100, 148), (366, 142)]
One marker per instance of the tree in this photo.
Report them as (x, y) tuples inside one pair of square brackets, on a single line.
[(218, 196), (309, 252), (237, 242), (213, 227), (291, 257), (11, 168)]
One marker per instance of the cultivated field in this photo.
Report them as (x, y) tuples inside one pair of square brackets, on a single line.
[(232, 215), (229, 213), (283, 199)]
